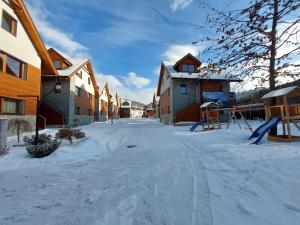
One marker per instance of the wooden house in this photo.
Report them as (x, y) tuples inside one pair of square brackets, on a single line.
[(185, 86), (23, 59)]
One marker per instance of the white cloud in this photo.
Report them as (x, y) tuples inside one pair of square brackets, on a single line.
[(54, 37), (127, 88), (180, 4), (137, 81), (176, 52)]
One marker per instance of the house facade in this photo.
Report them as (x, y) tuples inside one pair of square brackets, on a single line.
[(125, 109), (183, 87), (114, 108), (104, 102), (22, 54), (150, 109), (69, 97)]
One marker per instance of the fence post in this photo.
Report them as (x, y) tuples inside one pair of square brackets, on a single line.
[(3, 133)]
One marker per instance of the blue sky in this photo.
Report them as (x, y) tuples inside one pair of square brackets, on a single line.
[(126, 39)]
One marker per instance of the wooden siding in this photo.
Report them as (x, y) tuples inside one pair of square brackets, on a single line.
[(11, 87), (188, 60)]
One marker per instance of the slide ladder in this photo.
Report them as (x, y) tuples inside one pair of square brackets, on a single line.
[(197, 124), (260, 132)]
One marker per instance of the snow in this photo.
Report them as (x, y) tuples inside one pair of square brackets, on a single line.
[(70, 70), (209, 104), (279, 92), (172, 176), (211, 75)]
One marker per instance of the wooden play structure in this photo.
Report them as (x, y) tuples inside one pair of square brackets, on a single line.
[(237, 110), (210, 116), (286, 110)]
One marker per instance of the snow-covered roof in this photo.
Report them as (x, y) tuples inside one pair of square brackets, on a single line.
[(279, 92), (210, 75), (209, 104), (70, 70)]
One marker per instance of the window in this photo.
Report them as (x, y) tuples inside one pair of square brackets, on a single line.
[(183, 89), (13, 106), (190, 68), (77, 111), (90, 96), (57, 64), (58, 87), (79, 74), (9, 23), (89, 81), (78, 91), (14, 67)]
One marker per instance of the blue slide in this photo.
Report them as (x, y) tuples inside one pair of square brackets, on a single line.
[(260, 132), (197, 124)]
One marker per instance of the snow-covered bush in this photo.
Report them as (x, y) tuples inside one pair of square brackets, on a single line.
[(4, 150), (78, 134), (69, 134), (46, 145), (65, 133)]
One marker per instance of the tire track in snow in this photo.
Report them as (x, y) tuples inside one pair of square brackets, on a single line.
[(202, 207)]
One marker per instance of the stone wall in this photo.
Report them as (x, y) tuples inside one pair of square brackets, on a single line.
[(3, 133), (181, 101)]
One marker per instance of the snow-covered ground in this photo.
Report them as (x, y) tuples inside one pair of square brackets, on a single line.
[(171, 177)]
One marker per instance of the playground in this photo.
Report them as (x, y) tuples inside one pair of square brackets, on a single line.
[(283, 111)]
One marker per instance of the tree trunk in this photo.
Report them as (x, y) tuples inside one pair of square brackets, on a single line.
[(273, 52)]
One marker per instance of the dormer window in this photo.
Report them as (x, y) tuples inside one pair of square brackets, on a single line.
[(57, 64), (188, 68)]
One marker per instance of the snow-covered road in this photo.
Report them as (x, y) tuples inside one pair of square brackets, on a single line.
[(170, 177)]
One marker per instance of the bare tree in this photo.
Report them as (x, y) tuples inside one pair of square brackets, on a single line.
[(18, 126), (257, 41)]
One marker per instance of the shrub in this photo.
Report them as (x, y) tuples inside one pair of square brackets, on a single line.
[(65, 133), (69, 134), (46, 145), (78, 134), (4, 150)]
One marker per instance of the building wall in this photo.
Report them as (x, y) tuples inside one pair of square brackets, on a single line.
[(166, 81), (60, 102), (136, 113), (181, 101), (83, 102), (12, 87), (166, 111), (19, 46)]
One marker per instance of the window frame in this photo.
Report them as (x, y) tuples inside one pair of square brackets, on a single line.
[(181, 89), (23, 66), (58, 90), (20, 107), (77, 113), (14, 23), (188, 68), (78, 91), (57, 66)]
